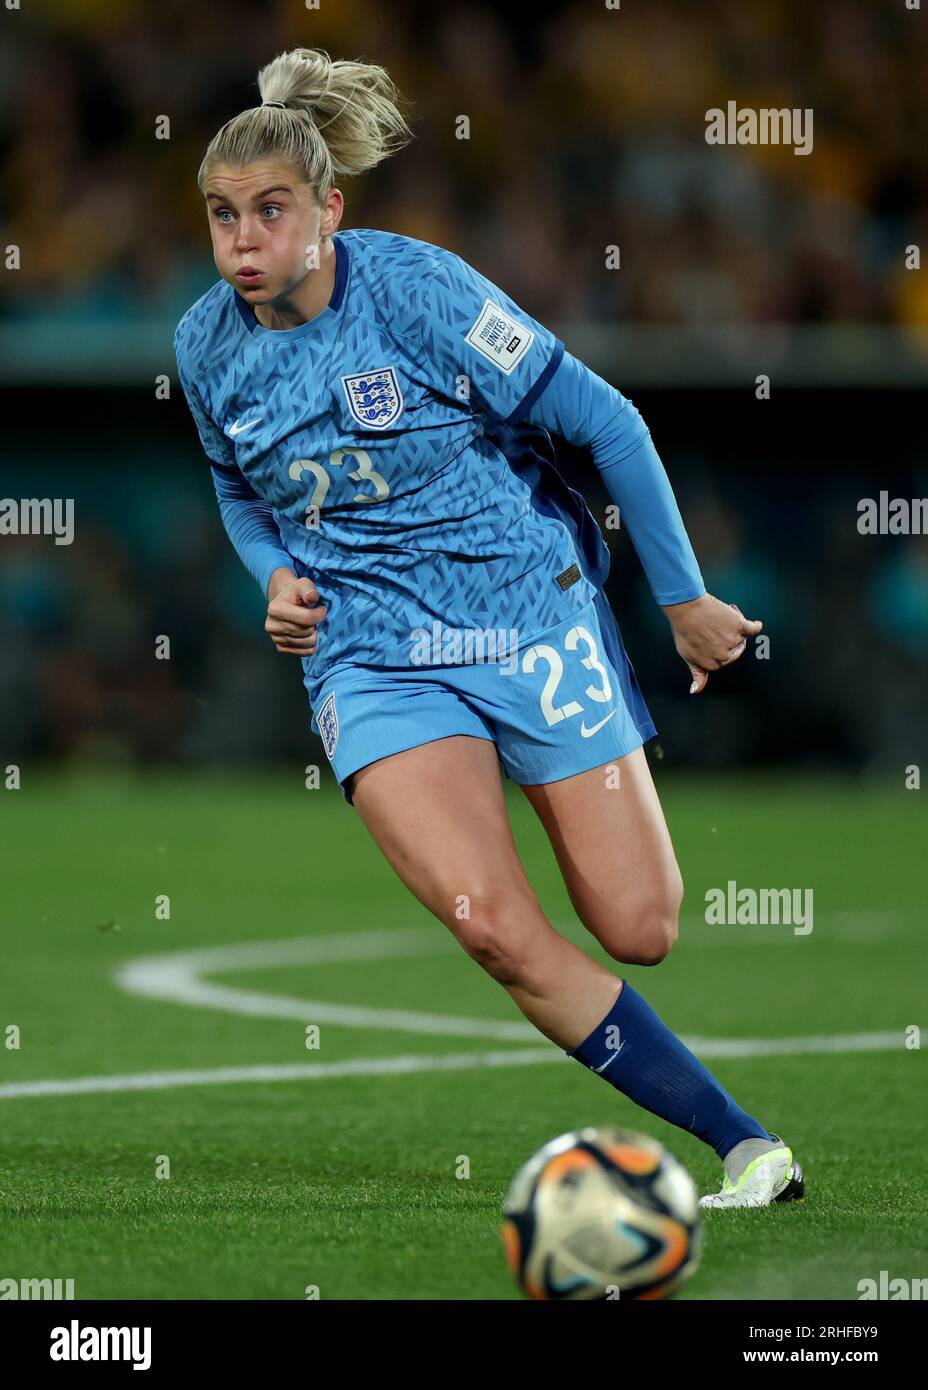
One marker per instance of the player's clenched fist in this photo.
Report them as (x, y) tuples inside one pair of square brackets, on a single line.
[(293, 613), (709, 634)]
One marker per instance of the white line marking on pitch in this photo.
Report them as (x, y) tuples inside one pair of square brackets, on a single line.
[(295, 1071), (398, 1066), (176, 977)]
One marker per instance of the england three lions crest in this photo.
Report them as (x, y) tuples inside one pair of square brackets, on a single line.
[(374, 398), (328, 726)]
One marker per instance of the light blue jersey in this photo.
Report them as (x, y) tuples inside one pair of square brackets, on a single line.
[(396, 450), (385, 436)]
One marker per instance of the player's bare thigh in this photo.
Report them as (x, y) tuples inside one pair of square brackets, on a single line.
[(608, 832), (439, 815)]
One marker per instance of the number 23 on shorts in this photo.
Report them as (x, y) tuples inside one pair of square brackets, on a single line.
[(600, 693)]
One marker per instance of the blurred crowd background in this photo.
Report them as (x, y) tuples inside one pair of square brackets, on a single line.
[(586, 130)]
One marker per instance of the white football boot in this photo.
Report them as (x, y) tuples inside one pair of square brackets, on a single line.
[(758, 1172)]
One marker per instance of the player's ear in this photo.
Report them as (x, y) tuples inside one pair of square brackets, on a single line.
[(332, 211)]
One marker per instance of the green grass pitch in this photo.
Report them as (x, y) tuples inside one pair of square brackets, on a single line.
[(349, 1183)]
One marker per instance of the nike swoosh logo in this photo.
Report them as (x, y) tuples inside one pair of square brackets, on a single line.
[(588, 733), (614, 1055), (240, 429)]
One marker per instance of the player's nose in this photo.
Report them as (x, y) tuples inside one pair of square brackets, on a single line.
[(246, 235)]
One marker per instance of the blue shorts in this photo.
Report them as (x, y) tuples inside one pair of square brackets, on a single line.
[(561, 704)]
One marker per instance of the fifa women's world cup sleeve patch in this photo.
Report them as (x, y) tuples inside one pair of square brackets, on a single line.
[(500, 337), (483, 346)]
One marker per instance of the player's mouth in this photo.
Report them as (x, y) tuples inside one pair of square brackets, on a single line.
[(248, 275)]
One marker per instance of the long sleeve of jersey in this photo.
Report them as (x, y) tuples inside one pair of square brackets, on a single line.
[(248, 520), (250, 525), (584, 409)]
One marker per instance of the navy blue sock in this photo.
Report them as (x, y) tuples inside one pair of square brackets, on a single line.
[(640, 1056)]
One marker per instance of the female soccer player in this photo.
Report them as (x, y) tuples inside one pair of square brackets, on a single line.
[(376, 413)]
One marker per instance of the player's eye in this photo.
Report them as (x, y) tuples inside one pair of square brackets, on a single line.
[(222, 213)]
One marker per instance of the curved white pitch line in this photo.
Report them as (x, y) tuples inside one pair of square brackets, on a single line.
[(176, 977)]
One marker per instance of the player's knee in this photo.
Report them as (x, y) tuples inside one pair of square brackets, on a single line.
[(485, 930), (649, 949), (646, 927)]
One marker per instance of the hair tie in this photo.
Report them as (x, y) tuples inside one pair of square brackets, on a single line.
[(282, 104)]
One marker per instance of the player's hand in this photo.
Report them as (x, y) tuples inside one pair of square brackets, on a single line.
[(293, 613), (709, 634)]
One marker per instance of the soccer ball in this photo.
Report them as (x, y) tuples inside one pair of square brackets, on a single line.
[(602, 1213)]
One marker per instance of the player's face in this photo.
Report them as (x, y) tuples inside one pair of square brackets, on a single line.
[(265, 224)]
